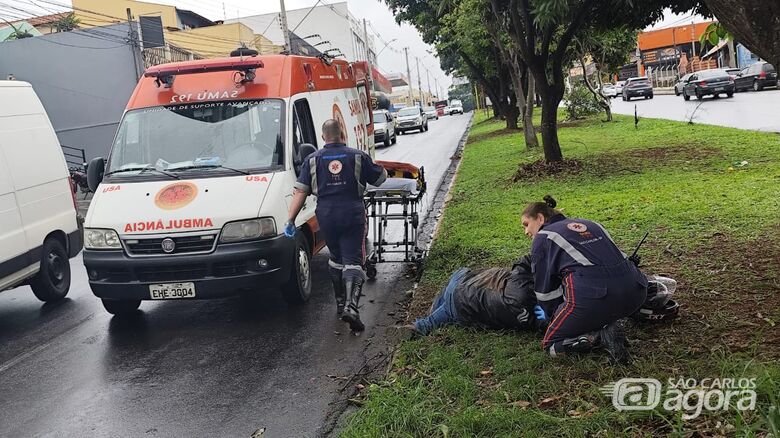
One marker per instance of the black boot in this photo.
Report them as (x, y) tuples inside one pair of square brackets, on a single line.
[(354, 286), (339, 289), (613, 338)]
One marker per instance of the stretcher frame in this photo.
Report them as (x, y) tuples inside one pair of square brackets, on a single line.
[(378, 205)]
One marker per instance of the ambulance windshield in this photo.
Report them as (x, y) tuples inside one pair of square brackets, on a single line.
[(200, 137)]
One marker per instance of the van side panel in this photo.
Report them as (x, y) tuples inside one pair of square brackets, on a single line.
[(13, 244), (37, 169)]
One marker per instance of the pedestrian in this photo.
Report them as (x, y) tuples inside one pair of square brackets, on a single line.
[(337, 175), (582, 281), (492, 298)]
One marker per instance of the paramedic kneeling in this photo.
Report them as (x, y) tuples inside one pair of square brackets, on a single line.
[(337, 175), (582, 280)]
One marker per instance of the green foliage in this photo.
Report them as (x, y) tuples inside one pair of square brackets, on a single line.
[(18, 33), (714, 33), (473, 383), (580, 102), (465, 94), (610, 49), (67, 23)]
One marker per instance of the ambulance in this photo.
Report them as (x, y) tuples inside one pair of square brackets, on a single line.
[(192, 199)]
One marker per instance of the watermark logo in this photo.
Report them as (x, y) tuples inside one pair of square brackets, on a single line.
[(689, 396)]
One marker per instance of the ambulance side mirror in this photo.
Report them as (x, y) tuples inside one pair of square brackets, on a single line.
[(304, 150), (95, 170)]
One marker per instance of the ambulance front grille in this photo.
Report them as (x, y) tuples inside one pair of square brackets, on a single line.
[(183, 245)]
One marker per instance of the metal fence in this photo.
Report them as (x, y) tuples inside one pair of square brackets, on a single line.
[(168, 53), (664, 76), (75, 157)]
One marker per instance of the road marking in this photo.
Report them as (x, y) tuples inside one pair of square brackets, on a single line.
[(35, 350)]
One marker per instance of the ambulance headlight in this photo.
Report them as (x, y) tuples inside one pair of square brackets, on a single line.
[(97, 238), (248, 230)]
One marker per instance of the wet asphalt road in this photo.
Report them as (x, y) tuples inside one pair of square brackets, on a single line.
[(197, 369), (746, 110)]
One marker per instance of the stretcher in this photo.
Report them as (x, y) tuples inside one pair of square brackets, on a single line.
[(397, 200)]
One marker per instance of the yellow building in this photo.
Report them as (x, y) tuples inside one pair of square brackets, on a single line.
[(182, 29)]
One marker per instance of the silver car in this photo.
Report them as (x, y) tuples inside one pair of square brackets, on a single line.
[(384, 128), (431, 113), (411, 119)]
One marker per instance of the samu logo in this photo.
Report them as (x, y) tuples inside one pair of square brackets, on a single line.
[(632, 394)]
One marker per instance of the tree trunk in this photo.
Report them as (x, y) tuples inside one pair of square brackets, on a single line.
[(602, 100), (528, 115), (512, 114), (552, 149)]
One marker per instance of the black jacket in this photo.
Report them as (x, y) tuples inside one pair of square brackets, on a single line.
[(497, 298)]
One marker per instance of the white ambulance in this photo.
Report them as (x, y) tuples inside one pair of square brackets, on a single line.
[(193, 197)]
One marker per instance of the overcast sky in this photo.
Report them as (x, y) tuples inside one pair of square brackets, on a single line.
[(391, 59)]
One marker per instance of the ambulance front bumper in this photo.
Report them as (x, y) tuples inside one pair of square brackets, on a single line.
[(229, 270)]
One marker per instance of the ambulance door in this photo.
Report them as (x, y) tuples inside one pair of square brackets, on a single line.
[(303, 132), (366, 116)]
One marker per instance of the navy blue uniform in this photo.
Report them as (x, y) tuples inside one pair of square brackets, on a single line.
[(582, 278), (337, 175)]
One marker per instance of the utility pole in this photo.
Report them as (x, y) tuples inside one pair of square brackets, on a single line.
[(409, 76), (438, 92), (419, 83), (135, 47), (285, 29), (693, 38), (368, 57), (428, 76)]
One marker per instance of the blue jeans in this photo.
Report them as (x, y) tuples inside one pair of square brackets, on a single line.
[(443, 309)]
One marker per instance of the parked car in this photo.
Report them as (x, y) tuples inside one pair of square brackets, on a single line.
[(412, 118), (757, 76), (384, 128), (678, 87), (733, 72), (609, 90), (431, 113), (39, 226), (708, 82), (456, 106), (619, 86), (638, 87)]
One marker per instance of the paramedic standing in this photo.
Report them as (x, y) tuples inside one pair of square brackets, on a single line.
[(582, 281), (337, 175)]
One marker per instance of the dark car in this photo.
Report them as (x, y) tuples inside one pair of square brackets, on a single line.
[(757, 76), (636, 87), (708, 82), (678, 87)]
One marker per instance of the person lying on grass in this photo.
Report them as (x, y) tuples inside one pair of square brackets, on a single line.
[(493, 298), (582, 280)]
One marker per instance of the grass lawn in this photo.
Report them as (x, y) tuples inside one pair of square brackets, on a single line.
[(713, 228)]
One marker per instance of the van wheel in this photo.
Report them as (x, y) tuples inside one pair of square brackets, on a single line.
[(297, 289), (386, 142), (53, 280), (395, 138), (121, 307)]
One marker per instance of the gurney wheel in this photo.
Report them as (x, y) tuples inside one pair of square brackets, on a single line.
[(371, 271)]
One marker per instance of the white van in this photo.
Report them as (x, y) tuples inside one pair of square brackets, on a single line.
[(192, 200), (39, 229)]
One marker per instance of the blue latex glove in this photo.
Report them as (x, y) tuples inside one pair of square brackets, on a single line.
[(539, 312), (289, 229)]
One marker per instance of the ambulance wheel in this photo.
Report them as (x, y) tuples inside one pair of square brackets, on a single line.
[(121, 307), (297, 289), (371, 271), (53, 280), (386, 142), (395, 138)]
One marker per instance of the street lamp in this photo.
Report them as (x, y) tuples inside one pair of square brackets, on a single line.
[(386, 44)]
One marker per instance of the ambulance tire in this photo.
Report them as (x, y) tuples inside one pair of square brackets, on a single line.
[(121, 307), (297, 289), (53, 279), (395, 138), (386, 142)]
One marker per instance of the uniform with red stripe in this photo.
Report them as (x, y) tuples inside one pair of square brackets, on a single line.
[(582, 278)]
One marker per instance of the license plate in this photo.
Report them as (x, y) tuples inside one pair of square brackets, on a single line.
[(172, 291), (719, 89)]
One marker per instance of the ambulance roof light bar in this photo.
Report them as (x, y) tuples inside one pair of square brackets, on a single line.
[(165, 74)]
